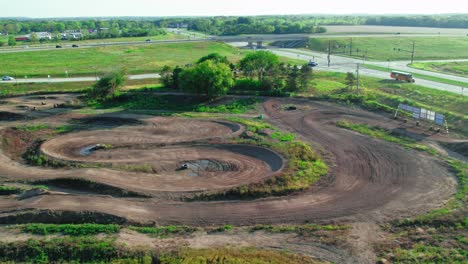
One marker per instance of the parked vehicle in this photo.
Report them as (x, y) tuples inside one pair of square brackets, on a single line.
[(402, 76), (75, 46), (148, 40), (7, 78), (58, 46)]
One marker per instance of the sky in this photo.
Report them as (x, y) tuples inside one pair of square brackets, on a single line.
[(92, 8)]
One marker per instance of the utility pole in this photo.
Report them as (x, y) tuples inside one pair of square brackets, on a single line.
[(329, 52), (412, 54), (350, 46), (357, 77)]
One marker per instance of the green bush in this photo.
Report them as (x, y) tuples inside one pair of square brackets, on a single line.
[(70, 229)]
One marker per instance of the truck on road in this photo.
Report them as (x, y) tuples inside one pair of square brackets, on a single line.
[(402, 76)]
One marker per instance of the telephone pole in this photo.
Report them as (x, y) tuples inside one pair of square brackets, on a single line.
[(350, 46), (329, 52), (357, 77), (412, 54)]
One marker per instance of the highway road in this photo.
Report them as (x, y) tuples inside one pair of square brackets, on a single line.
[(344, 64), (199, 37), (78, 79)]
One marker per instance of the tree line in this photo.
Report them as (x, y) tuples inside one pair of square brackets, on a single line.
[(223, 25)]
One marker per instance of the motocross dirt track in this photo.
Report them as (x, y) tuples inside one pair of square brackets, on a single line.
[(369, 179)]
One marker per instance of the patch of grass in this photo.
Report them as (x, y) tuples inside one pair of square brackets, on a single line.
[(303, 169), (382, 49), (151, 101), (87, 62), (33, 128), (454, 67), (421, 76), (283, 136), (385, 95), (235, 255), (71, 250), (164, 231), (145, 168), (70, 229), (420, 253), (300, 229), (7, 190)]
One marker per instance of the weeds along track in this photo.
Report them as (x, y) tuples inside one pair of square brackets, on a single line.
[(369, 179)]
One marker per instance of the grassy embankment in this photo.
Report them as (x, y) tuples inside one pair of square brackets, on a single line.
[(436, 237), (385, 95), (382, 48), (455, 67), (136, 59), (98, 243)]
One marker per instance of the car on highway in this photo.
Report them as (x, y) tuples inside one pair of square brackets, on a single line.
[(58, 46), (7, 78), (75, 46), (148, 40), (312, 63)]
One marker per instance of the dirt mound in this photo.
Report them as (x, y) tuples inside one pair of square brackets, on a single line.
[(60, 217), (108, 121), (87, 186), (459, 147), (10, 116)]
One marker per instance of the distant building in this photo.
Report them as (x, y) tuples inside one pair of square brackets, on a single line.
[(40, 36)]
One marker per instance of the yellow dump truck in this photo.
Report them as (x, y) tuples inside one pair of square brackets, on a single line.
[(402, 76)]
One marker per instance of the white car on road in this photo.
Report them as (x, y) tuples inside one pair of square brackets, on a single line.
[(7, 78)]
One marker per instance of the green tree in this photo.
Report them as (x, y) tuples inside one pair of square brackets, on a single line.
[(2, 43), (108, 85), (214, 57), (257, 63), (305, 76), (350, 79), (11, 41), (34, 38), (292, 82), (207, 78), (166, 76)]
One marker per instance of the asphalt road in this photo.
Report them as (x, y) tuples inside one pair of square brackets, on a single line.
[(78, 79), (344, 64)]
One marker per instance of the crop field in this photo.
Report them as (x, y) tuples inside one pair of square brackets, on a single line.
[(455, 68), (386, 48)]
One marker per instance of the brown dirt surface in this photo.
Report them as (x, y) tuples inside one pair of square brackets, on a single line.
[(370, 180)]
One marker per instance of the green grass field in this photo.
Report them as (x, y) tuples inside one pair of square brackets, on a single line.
[(381, 94), (382, 48), (455, 68), (136, 59)]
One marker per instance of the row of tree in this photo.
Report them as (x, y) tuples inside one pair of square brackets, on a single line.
[(227, 25), (214, 75)]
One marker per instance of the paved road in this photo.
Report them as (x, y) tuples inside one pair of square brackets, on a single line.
[(200, 37), (403, 65), (78, 79), (344, 64)]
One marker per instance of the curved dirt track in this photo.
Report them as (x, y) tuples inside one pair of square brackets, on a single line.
[(369, 179)]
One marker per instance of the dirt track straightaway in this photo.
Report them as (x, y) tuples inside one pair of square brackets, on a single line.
[(369, 178)]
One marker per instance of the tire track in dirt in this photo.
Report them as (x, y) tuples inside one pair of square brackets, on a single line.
[(371, 180)]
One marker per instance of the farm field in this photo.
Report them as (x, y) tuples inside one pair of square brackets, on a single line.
[(386, 48), (455, 68)]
